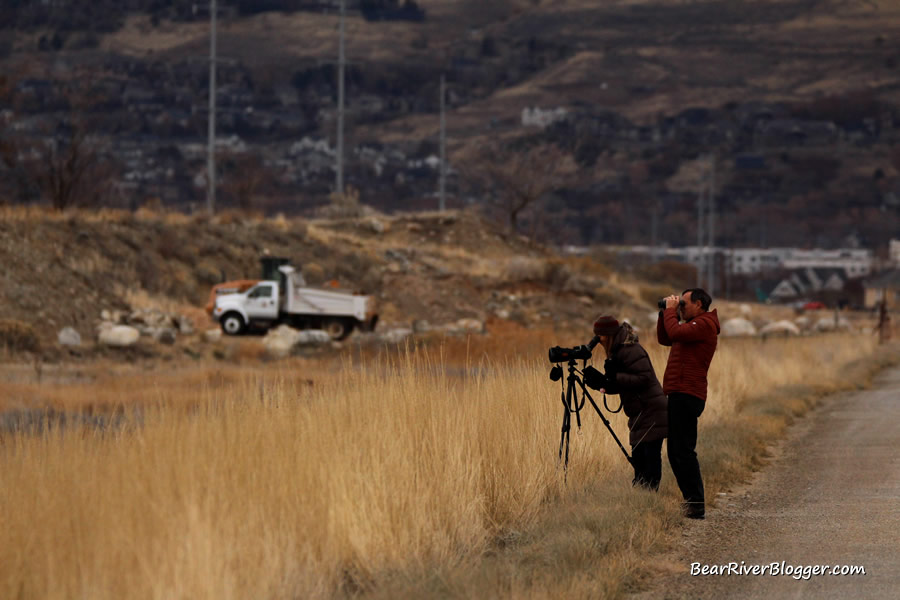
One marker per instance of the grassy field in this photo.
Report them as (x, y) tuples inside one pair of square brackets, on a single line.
[(414, 472)]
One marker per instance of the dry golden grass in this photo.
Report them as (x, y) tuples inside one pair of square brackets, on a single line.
[(410, 474)]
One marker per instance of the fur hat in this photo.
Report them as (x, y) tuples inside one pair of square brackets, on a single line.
[(605, 325)]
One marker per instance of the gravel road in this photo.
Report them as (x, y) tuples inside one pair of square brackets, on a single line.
[(830, 497)]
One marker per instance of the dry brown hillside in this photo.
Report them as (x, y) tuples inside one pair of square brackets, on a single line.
[(64, 270)]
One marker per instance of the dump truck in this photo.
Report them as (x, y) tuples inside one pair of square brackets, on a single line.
[(282, 296)]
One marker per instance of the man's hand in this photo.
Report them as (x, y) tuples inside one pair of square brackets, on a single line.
[(672, 301)]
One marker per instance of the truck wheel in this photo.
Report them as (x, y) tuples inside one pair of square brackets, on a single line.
[(338, 329), (232, 323)]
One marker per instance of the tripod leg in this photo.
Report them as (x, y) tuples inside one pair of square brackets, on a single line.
[(606, 422)]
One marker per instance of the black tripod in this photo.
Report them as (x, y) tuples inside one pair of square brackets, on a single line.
[(572, 405)]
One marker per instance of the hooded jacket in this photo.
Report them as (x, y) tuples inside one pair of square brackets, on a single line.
[(693, 345), (636, 383)]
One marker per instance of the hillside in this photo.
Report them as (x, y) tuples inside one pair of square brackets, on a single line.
[(438, 268), (797, 101)]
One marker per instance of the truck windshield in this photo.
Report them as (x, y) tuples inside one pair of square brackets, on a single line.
[(264, 291)]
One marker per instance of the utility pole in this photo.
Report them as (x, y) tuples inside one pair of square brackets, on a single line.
[(442, 192), (711, 277), (342, 62), (211, 148), (700, 261)]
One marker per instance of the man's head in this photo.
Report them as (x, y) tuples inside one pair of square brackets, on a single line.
[(694, 302)]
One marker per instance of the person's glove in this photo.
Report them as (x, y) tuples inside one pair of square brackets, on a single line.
[(593, 378)]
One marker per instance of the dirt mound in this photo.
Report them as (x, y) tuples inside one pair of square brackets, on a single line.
[(65, 270)]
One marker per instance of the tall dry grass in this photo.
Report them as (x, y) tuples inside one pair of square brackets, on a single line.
[(399, 476)]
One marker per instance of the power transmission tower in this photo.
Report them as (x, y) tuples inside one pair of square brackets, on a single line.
[(214, 60), (700, 239), (442, 192), (211, 142), (342, 63), (711, 264)]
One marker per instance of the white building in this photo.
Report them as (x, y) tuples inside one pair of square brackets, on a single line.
[(854, 262), (894, 252)]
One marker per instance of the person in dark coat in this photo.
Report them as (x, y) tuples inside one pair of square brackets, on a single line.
[(630, 374), (692, 330)]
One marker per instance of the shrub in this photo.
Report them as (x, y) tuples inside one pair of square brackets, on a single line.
[(671, 273), (652, 293), (522, 268), (313, 273), (207, 273), (17, 336)]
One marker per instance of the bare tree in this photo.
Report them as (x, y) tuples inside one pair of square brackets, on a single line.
[(70, 170), (517, 181), (249, 177)]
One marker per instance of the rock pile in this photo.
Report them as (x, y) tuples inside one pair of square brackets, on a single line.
[(123, 328), (283, 340)]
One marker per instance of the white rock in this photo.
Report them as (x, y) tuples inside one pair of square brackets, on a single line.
[(212, 335), (738, 326), (395, 336), (277, 347), (470, 326), (375, 225), (68, 337), (802, 322), (312, 337), (185, 327), (746, 309), (119, 336), (785, 328), (825, 324), (828, 324), (282, 340)]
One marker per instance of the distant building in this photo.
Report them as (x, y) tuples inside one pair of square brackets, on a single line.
[(852, 263), (857, 262), (538, 117), (808, 282), (894, 252), (883, 287)]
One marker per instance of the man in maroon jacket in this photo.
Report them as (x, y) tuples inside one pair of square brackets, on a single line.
[(693, 343)]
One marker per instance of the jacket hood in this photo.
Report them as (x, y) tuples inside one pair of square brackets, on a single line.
[(625, 335), (712, 316)]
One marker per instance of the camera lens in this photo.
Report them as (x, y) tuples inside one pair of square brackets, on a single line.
[(661, 303)]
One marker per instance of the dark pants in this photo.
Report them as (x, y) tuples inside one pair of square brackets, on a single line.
[(684, 410), (646, 458)]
